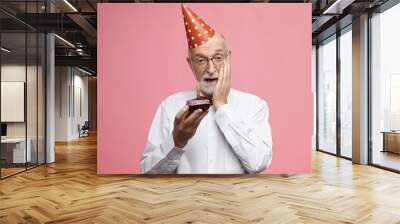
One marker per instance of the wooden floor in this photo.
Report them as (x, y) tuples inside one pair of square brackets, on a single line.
[(387, 159), (5, 172), (70, 191)]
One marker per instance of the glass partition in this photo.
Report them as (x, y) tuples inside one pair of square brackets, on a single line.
[(32, 95), (41, 91), (22, 77), (14, 153)]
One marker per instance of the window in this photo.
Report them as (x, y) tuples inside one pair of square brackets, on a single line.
[(327, 95), (346, 92), (385, 89)]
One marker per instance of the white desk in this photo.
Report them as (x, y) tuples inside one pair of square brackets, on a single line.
[(17, 146)]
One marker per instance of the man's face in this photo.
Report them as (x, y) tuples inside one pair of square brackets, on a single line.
[(206, 62)]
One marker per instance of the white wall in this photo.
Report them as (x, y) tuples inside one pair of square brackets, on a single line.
[(12, 101), (61, 103), (80, 84), (70, 83), (33, 127), (12, 73), (16, 73)]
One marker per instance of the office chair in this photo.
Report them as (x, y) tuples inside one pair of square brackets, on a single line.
[(84, 130)]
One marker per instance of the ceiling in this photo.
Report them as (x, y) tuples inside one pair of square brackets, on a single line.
[(76, 22)]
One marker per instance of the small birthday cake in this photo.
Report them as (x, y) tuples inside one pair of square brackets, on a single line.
[(199, 103)]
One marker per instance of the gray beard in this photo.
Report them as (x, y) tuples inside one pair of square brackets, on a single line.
[(206, 88)]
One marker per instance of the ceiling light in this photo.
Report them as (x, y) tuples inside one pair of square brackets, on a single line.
[(84, 71), (64, 40), (70, 5), (338, 6), (5, 50)]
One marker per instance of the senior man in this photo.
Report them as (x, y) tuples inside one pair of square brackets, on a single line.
[(231, 137)]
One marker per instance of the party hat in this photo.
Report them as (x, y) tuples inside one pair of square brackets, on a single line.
[(197, 31)]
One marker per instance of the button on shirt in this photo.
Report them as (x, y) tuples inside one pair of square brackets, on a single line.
[(235, 139)]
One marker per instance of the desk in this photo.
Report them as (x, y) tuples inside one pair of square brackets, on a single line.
[(391, 141), (13, 150)]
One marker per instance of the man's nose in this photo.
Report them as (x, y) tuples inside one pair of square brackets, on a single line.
[(210, 67)]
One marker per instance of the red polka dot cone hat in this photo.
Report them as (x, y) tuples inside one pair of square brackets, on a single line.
[(197, 31)]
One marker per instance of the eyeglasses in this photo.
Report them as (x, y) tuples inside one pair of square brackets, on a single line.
[(202, 62)]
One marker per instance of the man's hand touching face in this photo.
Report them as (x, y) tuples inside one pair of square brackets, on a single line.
[(221, 91)]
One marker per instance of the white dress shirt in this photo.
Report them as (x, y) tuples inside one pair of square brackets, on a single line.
[(235, 139)]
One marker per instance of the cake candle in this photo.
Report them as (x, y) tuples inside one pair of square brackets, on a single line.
[(198, 90)]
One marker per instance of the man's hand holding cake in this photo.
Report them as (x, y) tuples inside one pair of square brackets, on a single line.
[(185, 125)]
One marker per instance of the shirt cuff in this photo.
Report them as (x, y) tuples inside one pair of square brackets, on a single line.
[(175, 153)]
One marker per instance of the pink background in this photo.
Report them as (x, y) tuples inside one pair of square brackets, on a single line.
[(141, 60)]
